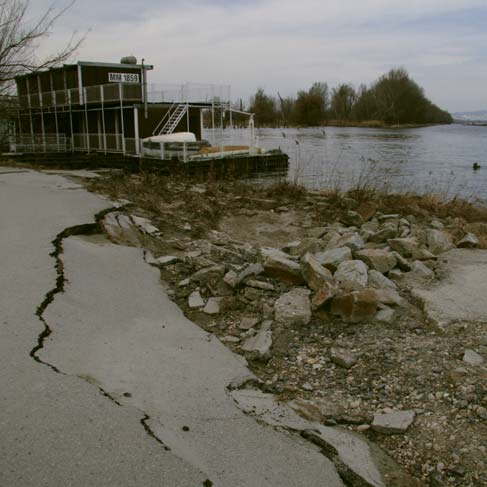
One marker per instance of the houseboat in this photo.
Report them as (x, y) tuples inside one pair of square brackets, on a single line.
[(106, 108)]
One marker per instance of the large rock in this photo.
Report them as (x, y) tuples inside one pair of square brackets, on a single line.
[(385, 315), (379, 281), (423, 254), (394, 422), (323, 295), (385, 233), (314, 273), (351, 275), (355, 306), (195, 300), (438, 241), (389, 296), (469, 241), (379, 260), (401, 262), (316, 232), (352, 218), (405, 246), (304, 246), (261, 343), (284, 268), (421, 271), (471, 357), (351, 240), (212, 306), (293, 308), (331, 259)]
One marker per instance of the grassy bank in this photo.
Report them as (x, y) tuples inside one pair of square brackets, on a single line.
[(155, 193)]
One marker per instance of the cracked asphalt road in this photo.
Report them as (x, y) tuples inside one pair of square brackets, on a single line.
[(115, 331), (58, 430)]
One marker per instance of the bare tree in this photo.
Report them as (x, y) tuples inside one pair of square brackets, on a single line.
[(20, 38)]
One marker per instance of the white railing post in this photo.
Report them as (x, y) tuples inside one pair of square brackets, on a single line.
[(136, 131), (102, 99), (86, 123), (121, 116), (187, 115), (251, 135)]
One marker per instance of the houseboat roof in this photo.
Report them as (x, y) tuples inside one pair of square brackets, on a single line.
[(88, 63)]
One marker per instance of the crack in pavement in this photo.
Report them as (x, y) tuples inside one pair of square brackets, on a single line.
[(57, 243)]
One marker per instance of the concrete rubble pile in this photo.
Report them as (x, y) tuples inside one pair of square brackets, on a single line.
[(359, 271), (356, 270)]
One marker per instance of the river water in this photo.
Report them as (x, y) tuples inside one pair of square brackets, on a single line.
[(437, 159)]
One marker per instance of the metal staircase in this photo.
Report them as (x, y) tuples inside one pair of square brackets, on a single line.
[(171, 119)]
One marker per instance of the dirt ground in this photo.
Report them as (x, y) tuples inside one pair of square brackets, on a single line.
[(405, 364)]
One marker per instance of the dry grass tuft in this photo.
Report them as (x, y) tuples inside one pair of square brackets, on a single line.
[(288, 190)]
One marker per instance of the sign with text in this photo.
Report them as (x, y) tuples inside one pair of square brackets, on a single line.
[(123, 78)]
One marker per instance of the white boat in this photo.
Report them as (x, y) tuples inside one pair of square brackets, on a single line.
[(184, 146), (179, 145)]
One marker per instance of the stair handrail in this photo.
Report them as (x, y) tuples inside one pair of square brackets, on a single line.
[(163, 120), (171, 123)]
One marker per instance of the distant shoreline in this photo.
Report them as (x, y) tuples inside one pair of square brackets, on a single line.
[(378, 124), (370, 124)]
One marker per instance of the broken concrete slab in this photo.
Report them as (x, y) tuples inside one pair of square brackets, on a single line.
[(460, 293), (165, 260), (394, 422), (121, 229), (261, 343), (359, 462)]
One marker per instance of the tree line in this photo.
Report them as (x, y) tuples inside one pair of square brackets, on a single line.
[(393, 99)]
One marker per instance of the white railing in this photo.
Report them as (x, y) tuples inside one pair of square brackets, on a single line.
[(59, 98), (40, 143), (131, 92), (106, 143), (188, 93), (112, 92)]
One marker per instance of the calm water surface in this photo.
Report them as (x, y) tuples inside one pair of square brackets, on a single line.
[(435, 159)]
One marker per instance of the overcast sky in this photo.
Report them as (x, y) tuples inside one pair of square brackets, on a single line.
[(284, 45)]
